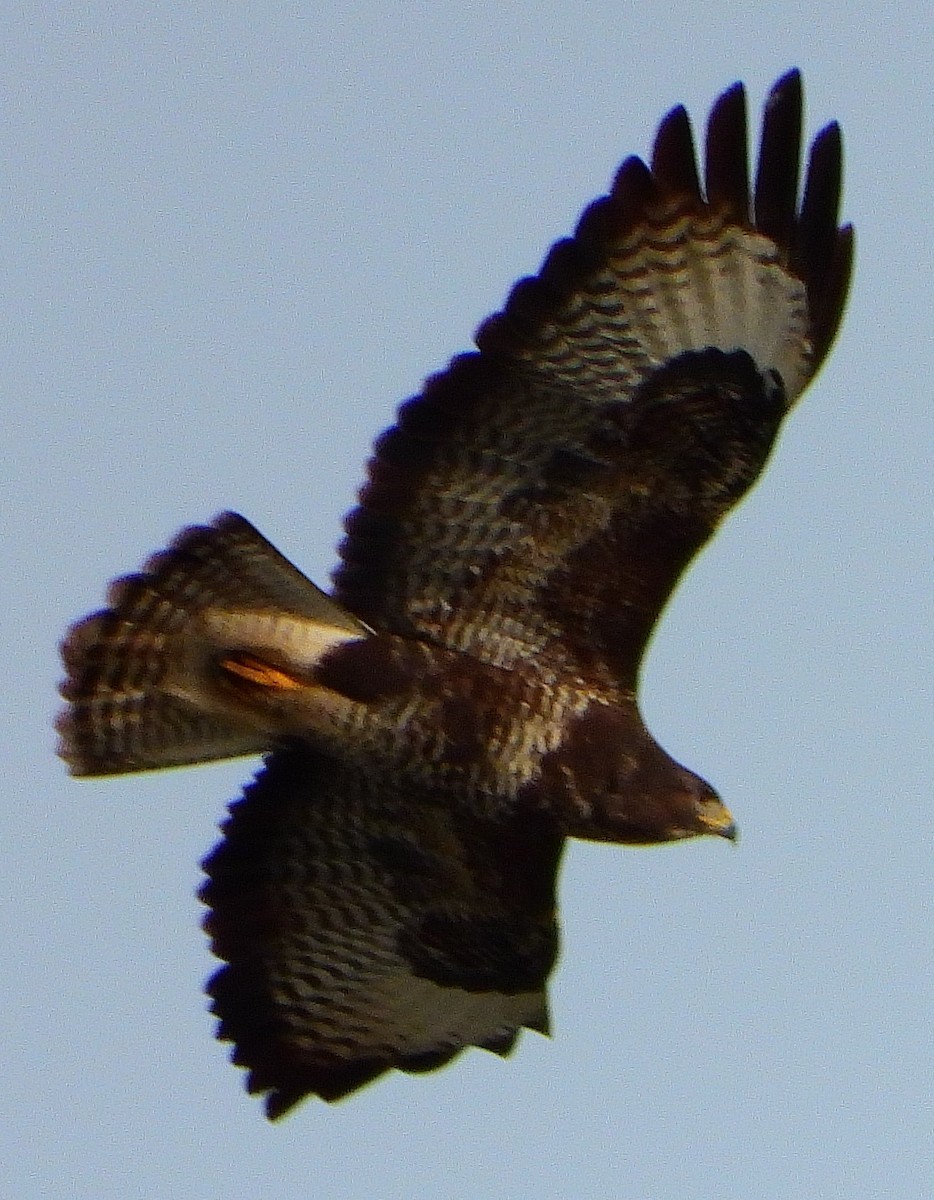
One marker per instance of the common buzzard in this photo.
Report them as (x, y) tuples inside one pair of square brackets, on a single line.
[(465, 700)]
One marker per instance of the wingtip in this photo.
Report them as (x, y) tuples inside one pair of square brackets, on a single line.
[(787, 87), (674, 157), (775, 193), (726, 154)]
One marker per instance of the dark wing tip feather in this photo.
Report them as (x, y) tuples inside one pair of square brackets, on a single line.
[(634, 191), (822, 253), (726, 159), (828, 305), (674, 160), (808, 236), (776, 189)]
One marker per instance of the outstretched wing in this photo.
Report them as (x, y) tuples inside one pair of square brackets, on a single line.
[(542, 496), (365, 927)]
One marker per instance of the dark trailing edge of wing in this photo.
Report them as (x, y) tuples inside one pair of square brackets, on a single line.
[(247, 917), (287, 871)]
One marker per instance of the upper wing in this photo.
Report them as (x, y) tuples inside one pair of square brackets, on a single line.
[(366, 926), (543, 496)]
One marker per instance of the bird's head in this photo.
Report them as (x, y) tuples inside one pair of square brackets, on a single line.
[(611, 781), (657, 800), (695, 808)]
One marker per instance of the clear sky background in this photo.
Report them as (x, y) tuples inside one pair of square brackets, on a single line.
[(234, 238)]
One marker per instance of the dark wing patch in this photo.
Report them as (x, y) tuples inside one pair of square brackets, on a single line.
[(366, 927), (523, 469)]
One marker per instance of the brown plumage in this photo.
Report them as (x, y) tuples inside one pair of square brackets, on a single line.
[(383, 894)]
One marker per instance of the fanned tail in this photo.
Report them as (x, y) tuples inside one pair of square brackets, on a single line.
[(145, 683)]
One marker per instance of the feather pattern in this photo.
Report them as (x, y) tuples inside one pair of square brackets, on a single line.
[(366, 927), (138, 682), (464, 525), (383, 895)]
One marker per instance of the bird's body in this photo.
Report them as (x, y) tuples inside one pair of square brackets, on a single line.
[(383, 895)]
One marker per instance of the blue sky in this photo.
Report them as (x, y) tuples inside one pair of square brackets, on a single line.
[(235, 237)]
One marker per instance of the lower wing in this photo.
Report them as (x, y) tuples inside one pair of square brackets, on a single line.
[(365, 928)]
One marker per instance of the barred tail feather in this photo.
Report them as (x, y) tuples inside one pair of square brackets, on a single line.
[(118, 719), (141, 680)]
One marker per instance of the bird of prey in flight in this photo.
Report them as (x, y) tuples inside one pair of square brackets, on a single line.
[(464, 700)]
